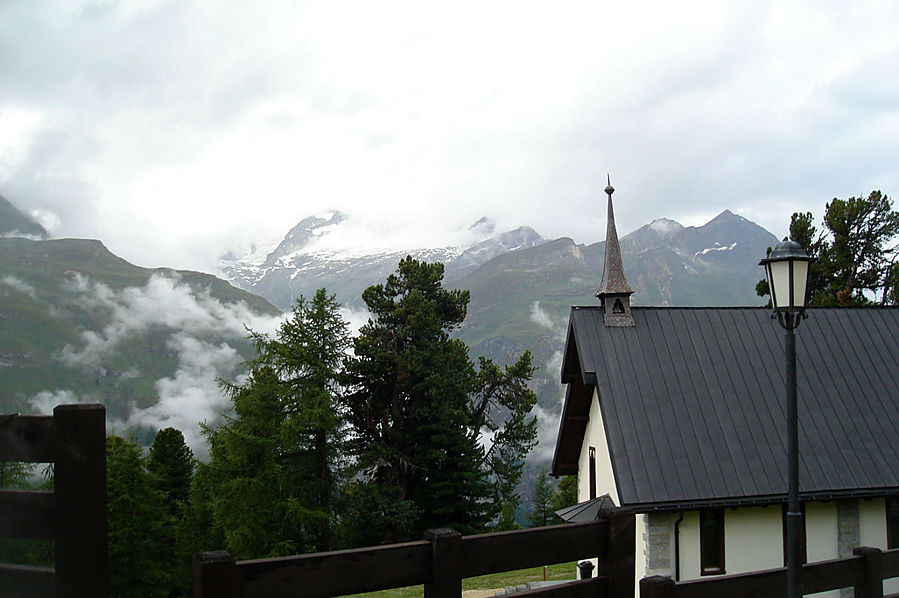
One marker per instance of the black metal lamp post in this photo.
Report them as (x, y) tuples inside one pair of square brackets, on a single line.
[(787, 270)]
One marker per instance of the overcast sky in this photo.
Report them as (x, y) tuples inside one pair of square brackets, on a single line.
[(174, 130)]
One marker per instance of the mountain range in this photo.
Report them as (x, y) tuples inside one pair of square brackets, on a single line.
[(79, 323), (521, 284)]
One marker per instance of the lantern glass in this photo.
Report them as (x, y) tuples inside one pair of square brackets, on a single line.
[(800, 280), (783, 273)]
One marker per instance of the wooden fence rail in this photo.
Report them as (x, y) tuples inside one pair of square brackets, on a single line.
[(864, 572), (440, 562), (73, 516)]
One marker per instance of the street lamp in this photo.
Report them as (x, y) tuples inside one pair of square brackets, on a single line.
[(787, 270)]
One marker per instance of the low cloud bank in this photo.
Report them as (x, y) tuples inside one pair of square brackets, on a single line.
[(18, 285), (164, 302), (549, 415), (193, 316), (192, 394)]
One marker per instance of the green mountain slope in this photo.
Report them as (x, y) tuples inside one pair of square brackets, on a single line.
[(79, 323), (521, 300)]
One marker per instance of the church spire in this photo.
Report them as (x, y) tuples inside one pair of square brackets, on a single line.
[(614, 292)]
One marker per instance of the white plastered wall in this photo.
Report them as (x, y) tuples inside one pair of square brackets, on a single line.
[(753, 538), (595, 436)]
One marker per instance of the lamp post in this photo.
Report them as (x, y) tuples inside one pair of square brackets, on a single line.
[(787, 270)]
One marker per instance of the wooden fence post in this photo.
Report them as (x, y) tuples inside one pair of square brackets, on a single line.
[(872, 586), (79, 494), (446, 563), (656, 586), (622, 546), (215, 575)]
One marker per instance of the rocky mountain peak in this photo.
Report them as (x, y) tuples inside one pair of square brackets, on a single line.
[(308, 229), (665, 227)]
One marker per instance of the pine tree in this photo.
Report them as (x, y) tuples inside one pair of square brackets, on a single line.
[(418, 410), (855, 253), (499, 409)]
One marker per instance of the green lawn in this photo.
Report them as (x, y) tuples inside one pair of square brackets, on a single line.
[(494, 581)]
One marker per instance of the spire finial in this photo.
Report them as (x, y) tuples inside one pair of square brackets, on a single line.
[(614, 292)]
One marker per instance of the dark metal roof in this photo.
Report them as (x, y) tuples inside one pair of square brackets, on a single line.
[(589, 510), (693, 403)]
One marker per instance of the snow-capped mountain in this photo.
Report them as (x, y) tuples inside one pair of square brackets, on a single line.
[(304, 260)]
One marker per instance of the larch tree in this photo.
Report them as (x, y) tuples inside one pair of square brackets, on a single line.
[(275, 466)]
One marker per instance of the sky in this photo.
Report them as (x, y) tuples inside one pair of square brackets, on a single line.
[(177, 130)]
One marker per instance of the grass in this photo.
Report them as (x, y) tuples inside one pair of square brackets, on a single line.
[(494, 581)]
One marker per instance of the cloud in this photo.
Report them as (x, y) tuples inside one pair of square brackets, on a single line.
[(355, 318), (192, 395), (19, 285), (164, 302), (46, 400), (548, 420), (197, 126), (550, 413), (192, 317), (541, 318)]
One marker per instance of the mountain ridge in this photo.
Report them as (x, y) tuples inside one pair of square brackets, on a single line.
[(15, 223)]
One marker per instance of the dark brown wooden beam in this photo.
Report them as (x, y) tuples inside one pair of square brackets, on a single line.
[(509, 551), (25, 581), (337, 573), (28, 438), (215, 575), (26, 514)]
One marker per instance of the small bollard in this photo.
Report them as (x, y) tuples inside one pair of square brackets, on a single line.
[(585, 570)]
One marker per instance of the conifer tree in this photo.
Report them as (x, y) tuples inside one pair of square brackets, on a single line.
[(542, 512), (418, 410), (566, 493), (172, 463), (855, 254), (255, 498), (275, 466), (138, 548)]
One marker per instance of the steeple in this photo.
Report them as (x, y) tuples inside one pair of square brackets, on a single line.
[(614, 292)]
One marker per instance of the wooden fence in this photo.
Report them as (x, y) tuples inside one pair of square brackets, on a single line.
[(864, 572), (73, 515), (440, 562)]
